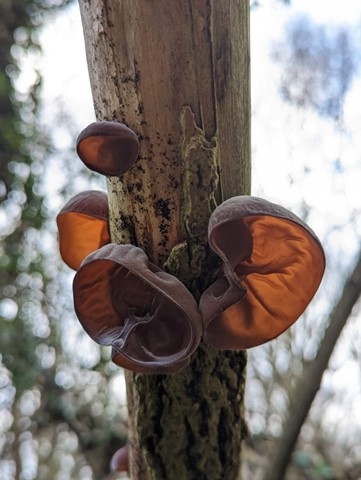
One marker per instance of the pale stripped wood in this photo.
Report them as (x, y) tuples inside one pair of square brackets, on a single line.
[(147, 60)]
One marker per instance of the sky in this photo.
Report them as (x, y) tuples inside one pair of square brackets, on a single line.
[(66, 81), (284, 140)]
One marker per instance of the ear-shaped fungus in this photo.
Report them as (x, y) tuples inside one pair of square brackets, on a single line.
[(148, 317), (273, 264), (109, 148), (120, 460), (83, 226)]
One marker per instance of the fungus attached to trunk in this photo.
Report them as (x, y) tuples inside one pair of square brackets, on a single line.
[(273, 264), (109, 148), (148, 317), (120, 460), (83, 226)]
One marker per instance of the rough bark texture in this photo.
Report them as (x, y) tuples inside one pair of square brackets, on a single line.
[(177, 73)]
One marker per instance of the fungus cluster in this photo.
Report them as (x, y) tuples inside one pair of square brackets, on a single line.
[(272, 265)]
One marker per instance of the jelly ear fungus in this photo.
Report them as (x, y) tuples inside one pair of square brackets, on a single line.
[(109, 148), (273, 264), (83, 226), (148, 317)]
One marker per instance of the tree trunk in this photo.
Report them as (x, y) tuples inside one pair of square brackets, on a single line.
[(177, 73)]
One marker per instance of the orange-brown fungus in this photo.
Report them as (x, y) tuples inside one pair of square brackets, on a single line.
[(83, 226), (273, 264), (120, 460), (109, 148), (148, 317)]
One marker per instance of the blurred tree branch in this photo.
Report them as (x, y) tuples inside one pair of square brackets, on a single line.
[(305, 390)]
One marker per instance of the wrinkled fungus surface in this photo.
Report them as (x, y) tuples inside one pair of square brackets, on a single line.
[(273, 264), (109, 148), (83, 226), (148, 317)]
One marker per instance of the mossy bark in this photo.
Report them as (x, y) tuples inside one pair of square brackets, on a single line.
[(177, 73)]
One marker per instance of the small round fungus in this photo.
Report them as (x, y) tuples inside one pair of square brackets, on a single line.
[(109, 148), (148, 317), (273, 264), (120, 460), (83, 226)]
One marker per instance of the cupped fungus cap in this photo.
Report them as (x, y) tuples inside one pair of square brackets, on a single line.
[(273, 264), (83, 226), (109, 148), (120, 460), (148, 317)]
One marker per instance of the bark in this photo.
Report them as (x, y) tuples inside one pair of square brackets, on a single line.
[(309, 384), (177, 73)]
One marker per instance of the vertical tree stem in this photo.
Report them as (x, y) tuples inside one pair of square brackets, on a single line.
[(147, 61)]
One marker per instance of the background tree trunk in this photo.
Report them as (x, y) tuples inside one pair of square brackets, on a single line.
[(177, 73)]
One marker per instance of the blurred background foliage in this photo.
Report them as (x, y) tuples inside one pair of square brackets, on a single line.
[(61, 414), (62, 403), (306, 155)]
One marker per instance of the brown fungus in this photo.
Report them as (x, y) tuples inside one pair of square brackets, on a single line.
[(83, 226), (148, 317), (120, 460), (273, 264), (109, 148)]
